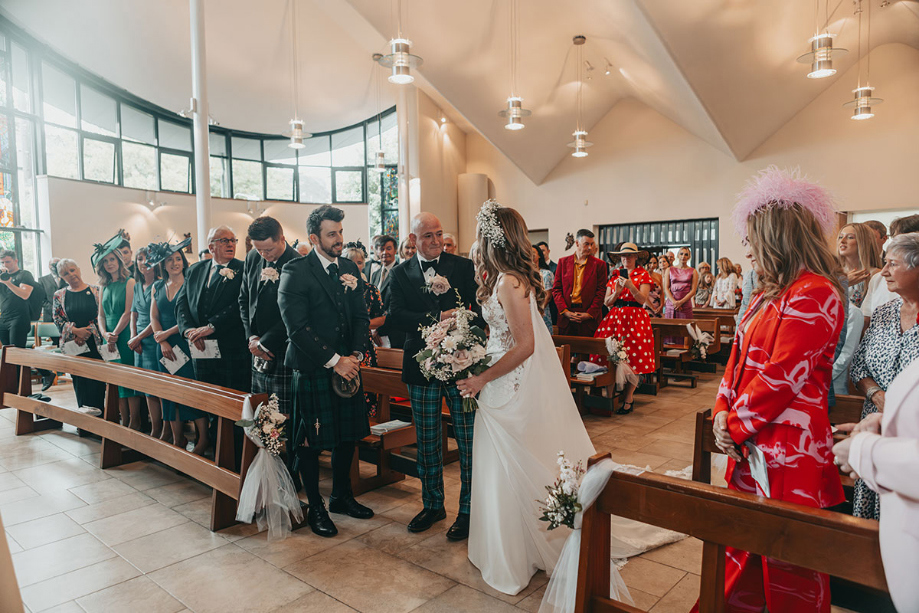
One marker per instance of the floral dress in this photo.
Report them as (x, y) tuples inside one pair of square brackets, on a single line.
[(724, 296), (883, 353), (548, 280), (628, 321), (375, 309)]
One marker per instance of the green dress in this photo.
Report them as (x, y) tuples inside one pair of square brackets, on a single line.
[(113, 301)]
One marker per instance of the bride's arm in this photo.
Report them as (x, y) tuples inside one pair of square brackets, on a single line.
[(512, 296)]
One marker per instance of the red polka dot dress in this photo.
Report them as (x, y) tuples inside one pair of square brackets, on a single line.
[(631, 323)]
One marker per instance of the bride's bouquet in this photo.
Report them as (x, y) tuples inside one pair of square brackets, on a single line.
[(562, 504), (700, 341), (268, 492), (454, 349)]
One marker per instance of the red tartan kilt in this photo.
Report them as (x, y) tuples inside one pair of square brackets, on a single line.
[(633, 326)]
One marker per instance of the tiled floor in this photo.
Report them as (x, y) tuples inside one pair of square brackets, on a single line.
[(134, 538)]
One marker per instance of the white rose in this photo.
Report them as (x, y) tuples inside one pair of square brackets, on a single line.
[(349, 281), (270, 275), (228, 273)]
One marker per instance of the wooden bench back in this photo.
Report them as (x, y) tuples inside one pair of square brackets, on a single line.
[(847, 410), (225, 404), (828, 542), (677, 327), (389, 358)]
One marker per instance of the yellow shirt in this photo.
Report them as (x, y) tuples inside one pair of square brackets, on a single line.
[(579, 269)]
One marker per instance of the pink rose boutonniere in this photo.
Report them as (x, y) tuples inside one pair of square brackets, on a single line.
[(349, 281), (270, 275), (227, 273), (437, 285)]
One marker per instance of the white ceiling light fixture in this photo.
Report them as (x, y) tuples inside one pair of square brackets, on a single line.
[(820, 57), (400, 58), (863, 101), (379, 164), (580, 142), (514, 113), (296, 132)]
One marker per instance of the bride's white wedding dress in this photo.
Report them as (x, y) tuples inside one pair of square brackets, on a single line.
[(524, 419)]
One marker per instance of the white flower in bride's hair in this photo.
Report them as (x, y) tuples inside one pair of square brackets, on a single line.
[(228, 273), (489, 226), (349, 281), (270, 275)]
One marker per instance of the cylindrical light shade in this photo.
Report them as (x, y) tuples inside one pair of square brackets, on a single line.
[(862, 103), (820, 56), (514, 113), (580, 144), (297, 135), (401, 61), (380, 163)]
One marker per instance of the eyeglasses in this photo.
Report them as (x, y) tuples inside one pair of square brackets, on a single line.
[(226, 241)]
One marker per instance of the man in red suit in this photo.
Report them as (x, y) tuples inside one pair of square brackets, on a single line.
[(580, 285)]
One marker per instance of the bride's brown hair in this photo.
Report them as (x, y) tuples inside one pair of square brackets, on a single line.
[(514, 257)]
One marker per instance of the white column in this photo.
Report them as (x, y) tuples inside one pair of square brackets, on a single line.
[(403, 111), (200, 114)]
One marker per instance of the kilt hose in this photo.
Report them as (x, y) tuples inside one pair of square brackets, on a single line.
[(426, 413), (319, 417)]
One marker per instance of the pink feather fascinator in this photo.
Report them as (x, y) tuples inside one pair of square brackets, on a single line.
[(783, 188)]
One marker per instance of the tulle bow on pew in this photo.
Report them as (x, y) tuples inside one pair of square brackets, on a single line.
[(620, 359), (268, 493), (700, 341)]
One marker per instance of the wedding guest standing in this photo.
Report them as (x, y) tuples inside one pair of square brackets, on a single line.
[(411, 304), (170, 345), (890, 343), (878, 294), (207, 308), (544, 249), (580, 282), (880, 234), (321, 298), (16, 288), (626, 293), (385, 248), (50, 282), (407, 249), (706, 286), (75, 309), (856, 247), (548, 280), (115, 319), (372, 300), (774, 392), (141, 341), (261, 316), (723, 296), (125, 253), (449, 243), (680, 284)]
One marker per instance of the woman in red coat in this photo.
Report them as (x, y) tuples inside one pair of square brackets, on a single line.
[(773, 397)]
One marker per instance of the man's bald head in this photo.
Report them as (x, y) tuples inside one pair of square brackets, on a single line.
[(428, 235)]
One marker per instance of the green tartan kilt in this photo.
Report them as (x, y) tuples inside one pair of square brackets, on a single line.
[(340, 419)]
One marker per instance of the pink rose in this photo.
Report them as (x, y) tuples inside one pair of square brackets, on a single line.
[(462, 360), (477, 352), (275, 434), (439, 285), (436, 335)]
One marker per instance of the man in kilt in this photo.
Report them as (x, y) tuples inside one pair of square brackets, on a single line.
[(409, 305), (321, 297), (207, 307), (261, 315)]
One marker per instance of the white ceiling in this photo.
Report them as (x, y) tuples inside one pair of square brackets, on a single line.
[(723, 69)]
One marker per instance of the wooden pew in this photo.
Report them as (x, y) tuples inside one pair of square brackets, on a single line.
[(827, 542), (225, 404), (598, 395), (677, 327), (847, 410)]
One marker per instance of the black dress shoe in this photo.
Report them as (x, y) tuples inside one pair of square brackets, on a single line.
[(459, 531), (320, 522), (47, 381), (347, 505), (426, 519)]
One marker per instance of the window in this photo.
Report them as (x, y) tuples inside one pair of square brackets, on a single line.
[(278, 152), (174, 136), (316, 152), (220, 177), (246, 148), (700, 235), (98, 160), (315, 185), (59, 97), (4, 76), (175, 172), (217, 143), (247, 179), (139, 165), (25, 168), (97, 113), (6, 153), (349, 186), (279, 183), (137, 126), (61, 146), (22, 80), (348, 147)]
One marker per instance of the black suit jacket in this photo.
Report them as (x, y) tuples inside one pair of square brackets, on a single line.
[(409, 305), (258, 303), (321, 316), (50, 286), (222, 310)]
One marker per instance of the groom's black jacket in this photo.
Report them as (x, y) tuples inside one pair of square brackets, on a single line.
[(409, 304), (322, 318)]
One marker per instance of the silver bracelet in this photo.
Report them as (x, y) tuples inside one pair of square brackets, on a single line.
[(872, 391)]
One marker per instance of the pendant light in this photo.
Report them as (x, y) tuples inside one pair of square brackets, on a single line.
[(580, 142), (296, 133), (514, 113), (400, 58), (379, 164), (822, 50), (863, 101)]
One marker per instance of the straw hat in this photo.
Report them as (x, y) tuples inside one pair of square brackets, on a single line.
[(629, 249)]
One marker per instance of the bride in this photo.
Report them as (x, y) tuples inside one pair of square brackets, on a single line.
[(526, 414)]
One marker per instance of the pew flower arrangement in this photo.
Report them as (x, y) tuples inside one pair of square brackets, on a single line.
[(700, 341), (454, 349), (562, 504), (268, 494), (619, 358)]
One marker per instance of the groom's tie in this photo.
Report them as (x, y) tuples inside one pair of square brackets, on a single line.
[(426, 266)]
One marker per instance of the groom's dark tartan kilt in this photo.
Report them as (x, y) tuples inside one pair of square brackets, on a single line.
[(230, 370), (279, 382), (340, 419)]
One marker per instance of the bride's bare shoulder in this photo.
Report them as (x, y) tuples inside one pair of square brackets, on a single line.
[(510, 285)]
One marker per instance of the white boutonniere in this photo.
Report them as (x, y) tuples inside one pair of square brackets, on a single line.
[(227, 273), (437, 284), (349, 281), (270, 275)]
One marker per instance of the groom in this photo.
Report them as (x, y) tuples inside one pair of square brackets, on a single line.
[(411, 304)]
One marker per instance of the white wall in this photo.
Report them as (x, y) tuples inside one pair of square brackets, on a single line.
[(76, 214), (644, 167)]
